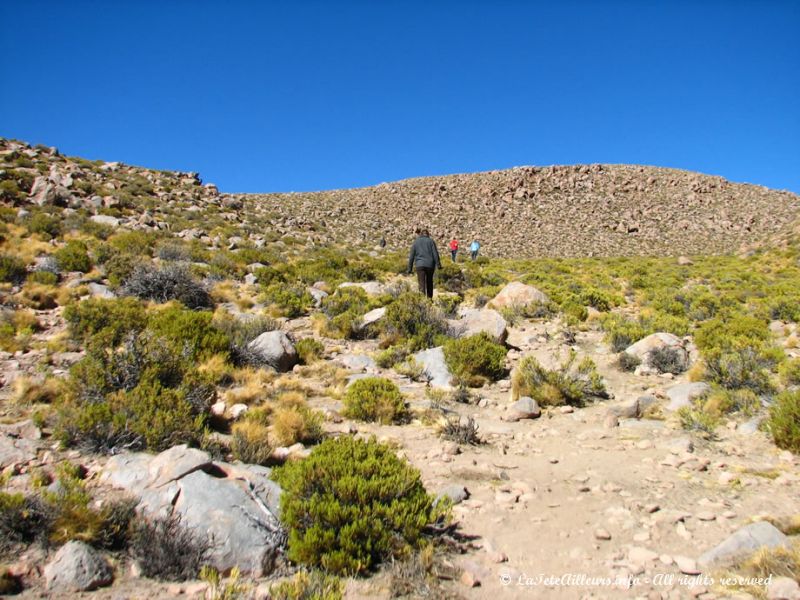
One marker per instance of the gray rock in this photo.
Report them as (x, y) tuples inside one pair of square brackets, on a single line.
[(235, 505), (435, 367), (275, 349), (16, 451), (525, 408), (107, 220), (250, 279), (456, 492), (518, 294), (644, 348), (371, 318), (750, 426), (474, 321), (98, 290), (744, 541), (77, 567), (783, 588), (318, 295), (682, 394), (357, 362), (244, 531)]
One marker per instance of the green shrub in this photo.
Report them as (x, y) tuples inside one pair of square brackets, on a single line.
[(729, 331), (135, 243), (46, 225), (621, 332), (475, 359), (693, 418), (12, 269), (23, 520), (189, 332), (413, 317), (784, 420), (108, 320), (166, 550), (722, 402), (572, 383), (790, 371), (297, 423), (448, 304), (736, 369), (74, 256), (313, 585), (375, 399), (597, 299), (309, 350), (43, 277), (389, 357), (240, 331), (351, 505), (574, 312), (119, 267), (292, 301)]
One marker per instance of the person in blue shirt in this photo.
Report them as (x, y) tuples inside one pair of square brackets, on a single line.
[(474, 247)]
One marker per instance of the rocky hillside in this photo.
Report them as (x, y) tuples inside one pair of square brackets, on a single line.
[(581, 210)]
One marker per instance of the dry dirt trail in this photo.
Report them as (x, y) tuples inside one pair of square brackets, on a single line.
[(567, 494)]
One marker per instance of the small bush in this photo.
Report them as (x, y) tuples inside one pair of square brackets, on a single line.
[(784, 421), (389, 357), (736, 369), (668, 360), (166, 550), (414, 318), (291, 301), (351, 505), (74, 256), (571, 384), (23, 520), (790, 372), (475, 359), (12, 269), (313, 585), (43, 277), (240, 331), (309, 350), (46, 225), (292, 424), (107, 320), (170, 282), (188, 332), (693, 418), (628, 362), (461, 431), (375, 399), (251, 442)]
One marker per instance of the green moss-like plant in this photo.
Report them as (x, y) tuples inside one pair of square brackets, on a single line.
[(12, 269), (475, 359), (351, 505), (375, 399)]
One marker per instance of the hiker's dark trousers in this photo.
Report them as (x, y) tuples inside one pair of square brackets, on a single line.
[(425, 280)]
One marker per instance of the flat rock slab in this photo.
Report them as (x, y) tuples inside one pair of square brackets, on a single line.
[(682, 394), (234, 505), (744, 541), (435, 367), (357, 362), (474, 321)]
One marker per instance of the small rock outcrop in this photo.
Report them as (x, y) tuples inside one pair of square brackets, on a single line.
[(435, 367), (518, 294), (743, 541), (275, 349), (682, 394), (77, 567), (474, 321)]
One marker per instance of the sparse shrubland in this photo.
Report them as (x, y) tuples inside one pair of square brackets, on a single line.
[(574, 382)]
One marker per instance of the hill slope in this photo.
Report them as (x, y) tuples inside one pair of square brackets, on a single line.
[(581, 210)]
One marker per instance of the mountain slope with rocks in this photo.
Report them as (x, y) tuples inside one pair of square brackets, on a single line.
[(557, 211)]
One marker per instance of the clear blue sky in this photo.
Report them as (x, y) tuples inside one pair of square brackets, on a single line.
[(301, 95)]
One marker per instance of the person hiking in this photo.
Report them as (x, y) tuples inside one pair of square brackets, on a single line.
[(474, 248), (424, 257), (453, 249)]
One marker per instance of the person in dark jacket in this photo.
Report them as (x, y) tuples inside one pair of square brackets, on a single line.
[(424, 257)]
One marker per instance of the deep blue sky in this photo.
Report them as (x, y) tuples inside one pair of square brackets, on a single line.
[(302, 95)]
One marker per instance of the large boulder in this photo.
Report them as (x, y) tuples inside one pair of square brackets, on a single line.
[(644, 348), (682, 394), (234, 505), (372, 317), (435, 367), (107, 220), (474, 321), (518, 294), (744, 541), (275, 349), (77, 567)]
